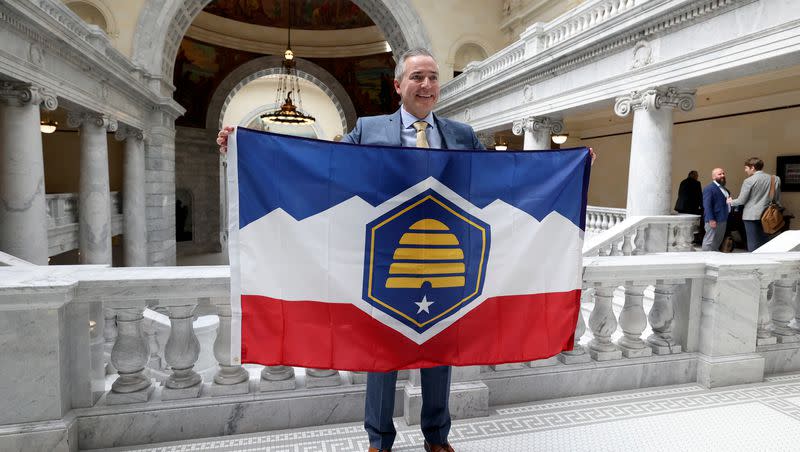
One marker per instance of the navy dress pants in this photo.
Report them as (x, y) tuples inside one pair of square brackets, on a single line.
[(435, 416), (755, 234)]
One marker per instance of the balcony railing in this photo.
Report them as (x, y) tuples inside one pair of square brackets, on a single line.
[(649, 320), (62, 220)]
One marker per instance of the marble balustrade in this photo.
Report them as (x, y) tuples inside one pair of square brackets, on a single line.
[(599, 219), (637, 235), (645, 320), (62, 220)]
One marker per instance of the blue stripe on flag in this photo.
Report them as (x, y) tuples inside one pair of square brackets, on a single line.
[(305, 177)]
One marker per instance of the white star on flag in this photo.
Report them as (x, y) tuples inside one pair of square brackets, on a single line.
[(424, 304)]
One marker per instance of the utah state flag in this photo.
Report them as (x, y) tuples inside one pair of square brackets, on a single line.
[(376, 258)]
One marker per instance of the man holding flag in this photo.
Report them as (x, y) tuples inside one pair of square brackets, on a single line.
[(429, 249)]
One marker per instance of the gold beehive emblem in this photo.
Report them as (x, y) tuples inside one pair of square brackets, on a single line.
[(420, 265)]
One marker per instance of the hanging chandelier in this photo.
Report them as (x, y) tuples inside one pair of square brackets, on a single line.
[(288, 84)]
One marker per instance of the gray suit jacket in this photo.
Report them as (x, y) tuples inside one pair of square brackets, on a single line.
[(754, 195), (384, 130)]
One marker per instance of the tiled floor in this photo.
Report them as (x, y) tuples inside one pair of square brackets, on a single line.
[(757, 417)]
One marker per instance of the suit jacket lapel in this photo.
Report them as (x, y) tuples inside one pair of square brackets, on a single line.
[(444, 132), (393, 128)]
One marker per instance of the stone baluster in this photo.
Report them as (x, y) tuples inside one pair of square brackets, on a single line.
[(23, 211), (683, 236), (318, 378), (661, 316), (578, 354), (763, 332), (604, 221), (627, 242), (277, 378), (602, 324), (231, 378), (181, 353), (155, 361), (650, 192), (95, 196), (129, 356), (109, 336), (134, 238), (537, 131), (783, 311), (633, 322), (640, 240), (616, 247), (606, 250)]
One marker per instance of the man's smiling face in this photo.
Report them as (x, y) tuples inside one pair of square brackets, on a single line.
[(419, 88)]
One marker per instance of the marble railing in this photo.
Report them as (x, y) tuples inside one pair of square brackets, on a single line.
[(599, 219), (643, 235), (539, 38), (652, 320), (62, 220)]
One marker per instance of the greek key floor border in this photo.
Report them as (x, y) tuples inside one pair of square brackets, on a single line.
[(779, 393)]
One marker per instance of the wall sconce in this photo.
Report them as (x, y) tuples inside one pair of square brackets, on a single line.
[(48, 126), (560, 138)]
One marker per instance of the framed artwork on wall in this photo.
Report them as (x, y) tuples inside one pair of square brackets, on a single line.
[(788, 169)]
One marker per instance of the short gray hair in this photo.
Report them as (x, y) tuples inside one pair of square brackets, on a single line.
[(401, 62)]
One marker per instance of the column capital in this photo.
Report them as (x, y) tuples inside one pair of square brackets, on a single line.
[(79, 118), (19, 94), (655, 98), (125, 132), (486, 139), (537, 123)]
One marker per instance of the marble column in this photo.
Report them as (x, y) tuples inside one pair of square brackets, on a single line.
[(650, 174), (94, 208), (23, 212), (537, 131), (134, 238)]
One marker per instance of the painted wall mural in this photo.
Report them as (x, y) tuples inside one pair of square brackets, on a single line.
[(201, 67), (307, 15)]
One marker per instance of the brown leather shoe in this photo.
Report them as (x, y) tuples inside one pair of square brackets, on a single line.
[(372, 449), (438, 447)]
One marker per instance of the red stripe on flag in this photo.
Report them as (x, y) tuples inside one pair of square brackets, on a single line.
[(340, 336)]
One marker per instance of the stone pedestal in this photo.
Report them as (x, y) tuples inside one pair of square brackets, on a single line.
[(321, 378), (547, 362), (23, 212), (134, 238), (95, 197), (649, 176), (467, 400), (729, 370)]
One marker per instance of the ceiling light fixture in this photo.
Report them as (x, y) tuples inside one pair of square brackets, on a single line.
[(288, 83), (560, 138), (48, 126)]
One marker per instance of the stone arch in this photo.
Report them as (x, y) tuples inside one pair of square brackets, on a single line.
[(162, 25), (81, 7), (466, 41), (270, 65)]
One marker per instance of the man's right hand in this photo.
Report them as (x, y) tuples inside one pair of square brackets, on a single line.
[(713, 224), (222, 138)]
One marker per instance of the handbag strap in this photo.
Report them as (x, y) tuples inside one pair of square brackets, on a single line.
[(772, 188)]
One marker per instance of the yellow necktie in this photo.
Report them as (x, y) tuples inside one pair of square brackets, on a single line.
[(422, 139)]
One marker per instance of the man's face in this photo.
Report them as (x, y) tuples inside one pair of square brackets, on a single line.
[(419, 88), (749, 170), (719, 176)]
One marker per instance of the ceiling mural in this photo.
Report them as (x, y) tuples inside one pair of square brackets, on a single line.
[(306, 14), (201, 67)]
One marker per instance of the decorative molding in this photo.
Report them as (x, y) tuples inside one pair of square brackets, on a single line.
[(536, 124), (125, 132), (80, 118), (654, 98), (642, 54), (19, 94), (528, 93), (506, 72)]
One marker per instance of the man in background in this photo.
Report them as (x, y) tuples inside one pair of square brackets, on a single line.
[(690, 195), (715, 210), (755, 198)]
